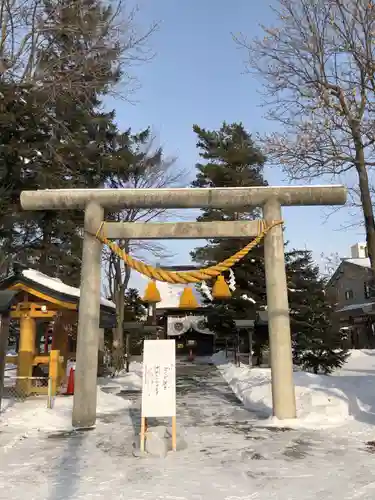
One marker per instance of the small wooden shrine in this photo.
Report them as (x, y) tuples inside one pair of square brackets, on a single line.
[(45, 307)]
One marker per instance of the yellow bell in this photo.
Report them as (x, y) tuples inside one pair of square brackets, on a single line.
[(188, 299), (152, 294), (221, 290)]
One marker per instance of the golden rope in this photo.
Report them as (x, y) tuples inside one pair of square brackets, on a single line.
[(184, 277)]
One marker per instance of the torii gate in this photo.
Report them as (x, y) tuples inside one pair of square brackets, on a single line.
[(94, 201)]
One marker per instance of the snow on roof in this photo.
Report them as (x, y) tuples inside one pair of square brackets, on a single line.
[(363, 262), (58, 286), (170, 294), (366, 307)]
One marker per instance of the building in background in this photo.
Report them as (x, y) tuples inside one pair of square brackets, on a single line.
[(186, 326), (350, 289)]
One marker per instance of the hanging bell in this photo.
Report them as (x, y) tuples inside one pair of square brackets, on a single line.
[(152, 294), (221, 290), (188, 299)]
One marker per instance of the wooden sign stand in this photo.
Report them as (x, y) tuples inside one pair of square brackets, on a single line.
[(158, 385), (144, 430)]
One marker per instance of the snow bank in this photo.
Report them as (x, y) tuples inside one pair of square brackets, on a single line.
[(360, 359), (33, 413), (322, 401), (131, 381)]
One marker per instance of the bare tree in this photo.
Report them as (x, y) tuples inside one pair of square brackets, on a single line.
[(317, 64), (330, 263), (354, 205), (28, 31), (147, 169), (58, 59)]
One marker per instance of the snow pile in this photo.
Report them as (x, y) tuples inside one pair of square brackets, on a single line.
[(362, 355), (322, 401), (33, 413), (131, 381), (10, 370)]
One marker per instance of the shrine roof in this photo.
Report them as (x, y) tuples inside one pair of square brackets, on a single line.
[(170, 294), (48, 288)]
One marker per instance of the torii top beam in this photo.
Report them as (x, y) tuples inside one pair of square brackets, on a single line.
[(67, 199)]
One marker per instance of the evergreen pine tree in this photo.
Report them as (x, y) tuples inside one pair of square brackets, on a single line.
[(317, 345), (231, 160), (24, 134), (135, 309), (32, 158), (76, 66)]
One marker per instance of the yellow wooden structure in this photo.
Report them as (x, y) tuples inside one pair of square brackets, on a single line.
[(45, 299), (27, 311)]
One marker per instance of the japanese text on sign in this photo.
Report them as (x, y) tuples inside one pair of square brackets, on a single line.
[(159, 378)]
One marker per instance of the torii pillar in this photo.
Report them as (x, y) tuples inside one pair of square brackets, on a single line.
[(283, 394), (94, 201)]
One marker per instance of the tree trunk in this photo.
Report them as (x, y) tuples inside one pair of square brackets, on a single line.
[(258, 354), (46, 244), (368, 212), (125, 284), (101, 354), (127, 351), (4, 336), (118, 333), (120, 284), (250, 334)]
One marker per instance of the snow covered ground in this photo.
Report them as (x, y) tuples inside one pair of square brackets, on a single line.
[(322, 401), (233, 453)]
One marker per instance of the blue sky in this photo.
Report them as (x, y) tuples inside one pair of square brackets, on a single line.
[(197, 76)]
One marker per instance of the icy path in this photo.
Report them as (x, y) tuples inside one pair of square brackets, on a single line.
[(226, 459)]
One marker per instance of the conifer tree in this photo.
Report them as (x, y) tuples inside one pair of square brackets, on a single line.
[(24, 134), (77, 64), (74, 67), (317, 345), (67, 57), (231, 160)]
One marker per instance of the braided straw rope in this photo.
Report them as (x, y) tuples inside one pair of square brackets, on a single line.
[(184, 277)]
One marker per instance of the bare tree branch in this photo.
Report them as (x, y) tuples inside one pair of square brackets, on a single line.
[(28, 29), (140, 165), (317, 65), (150, 169)]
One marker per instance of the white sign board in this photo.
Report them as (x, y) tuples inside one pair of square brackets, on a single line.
[(159, 378)]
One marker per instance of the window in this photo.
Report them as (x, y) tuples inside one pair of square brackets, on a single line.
[(349, 294), (367, 290)]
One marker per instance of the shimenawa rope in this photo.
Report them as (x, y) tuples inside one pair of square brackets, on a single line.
[(184, 277)]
